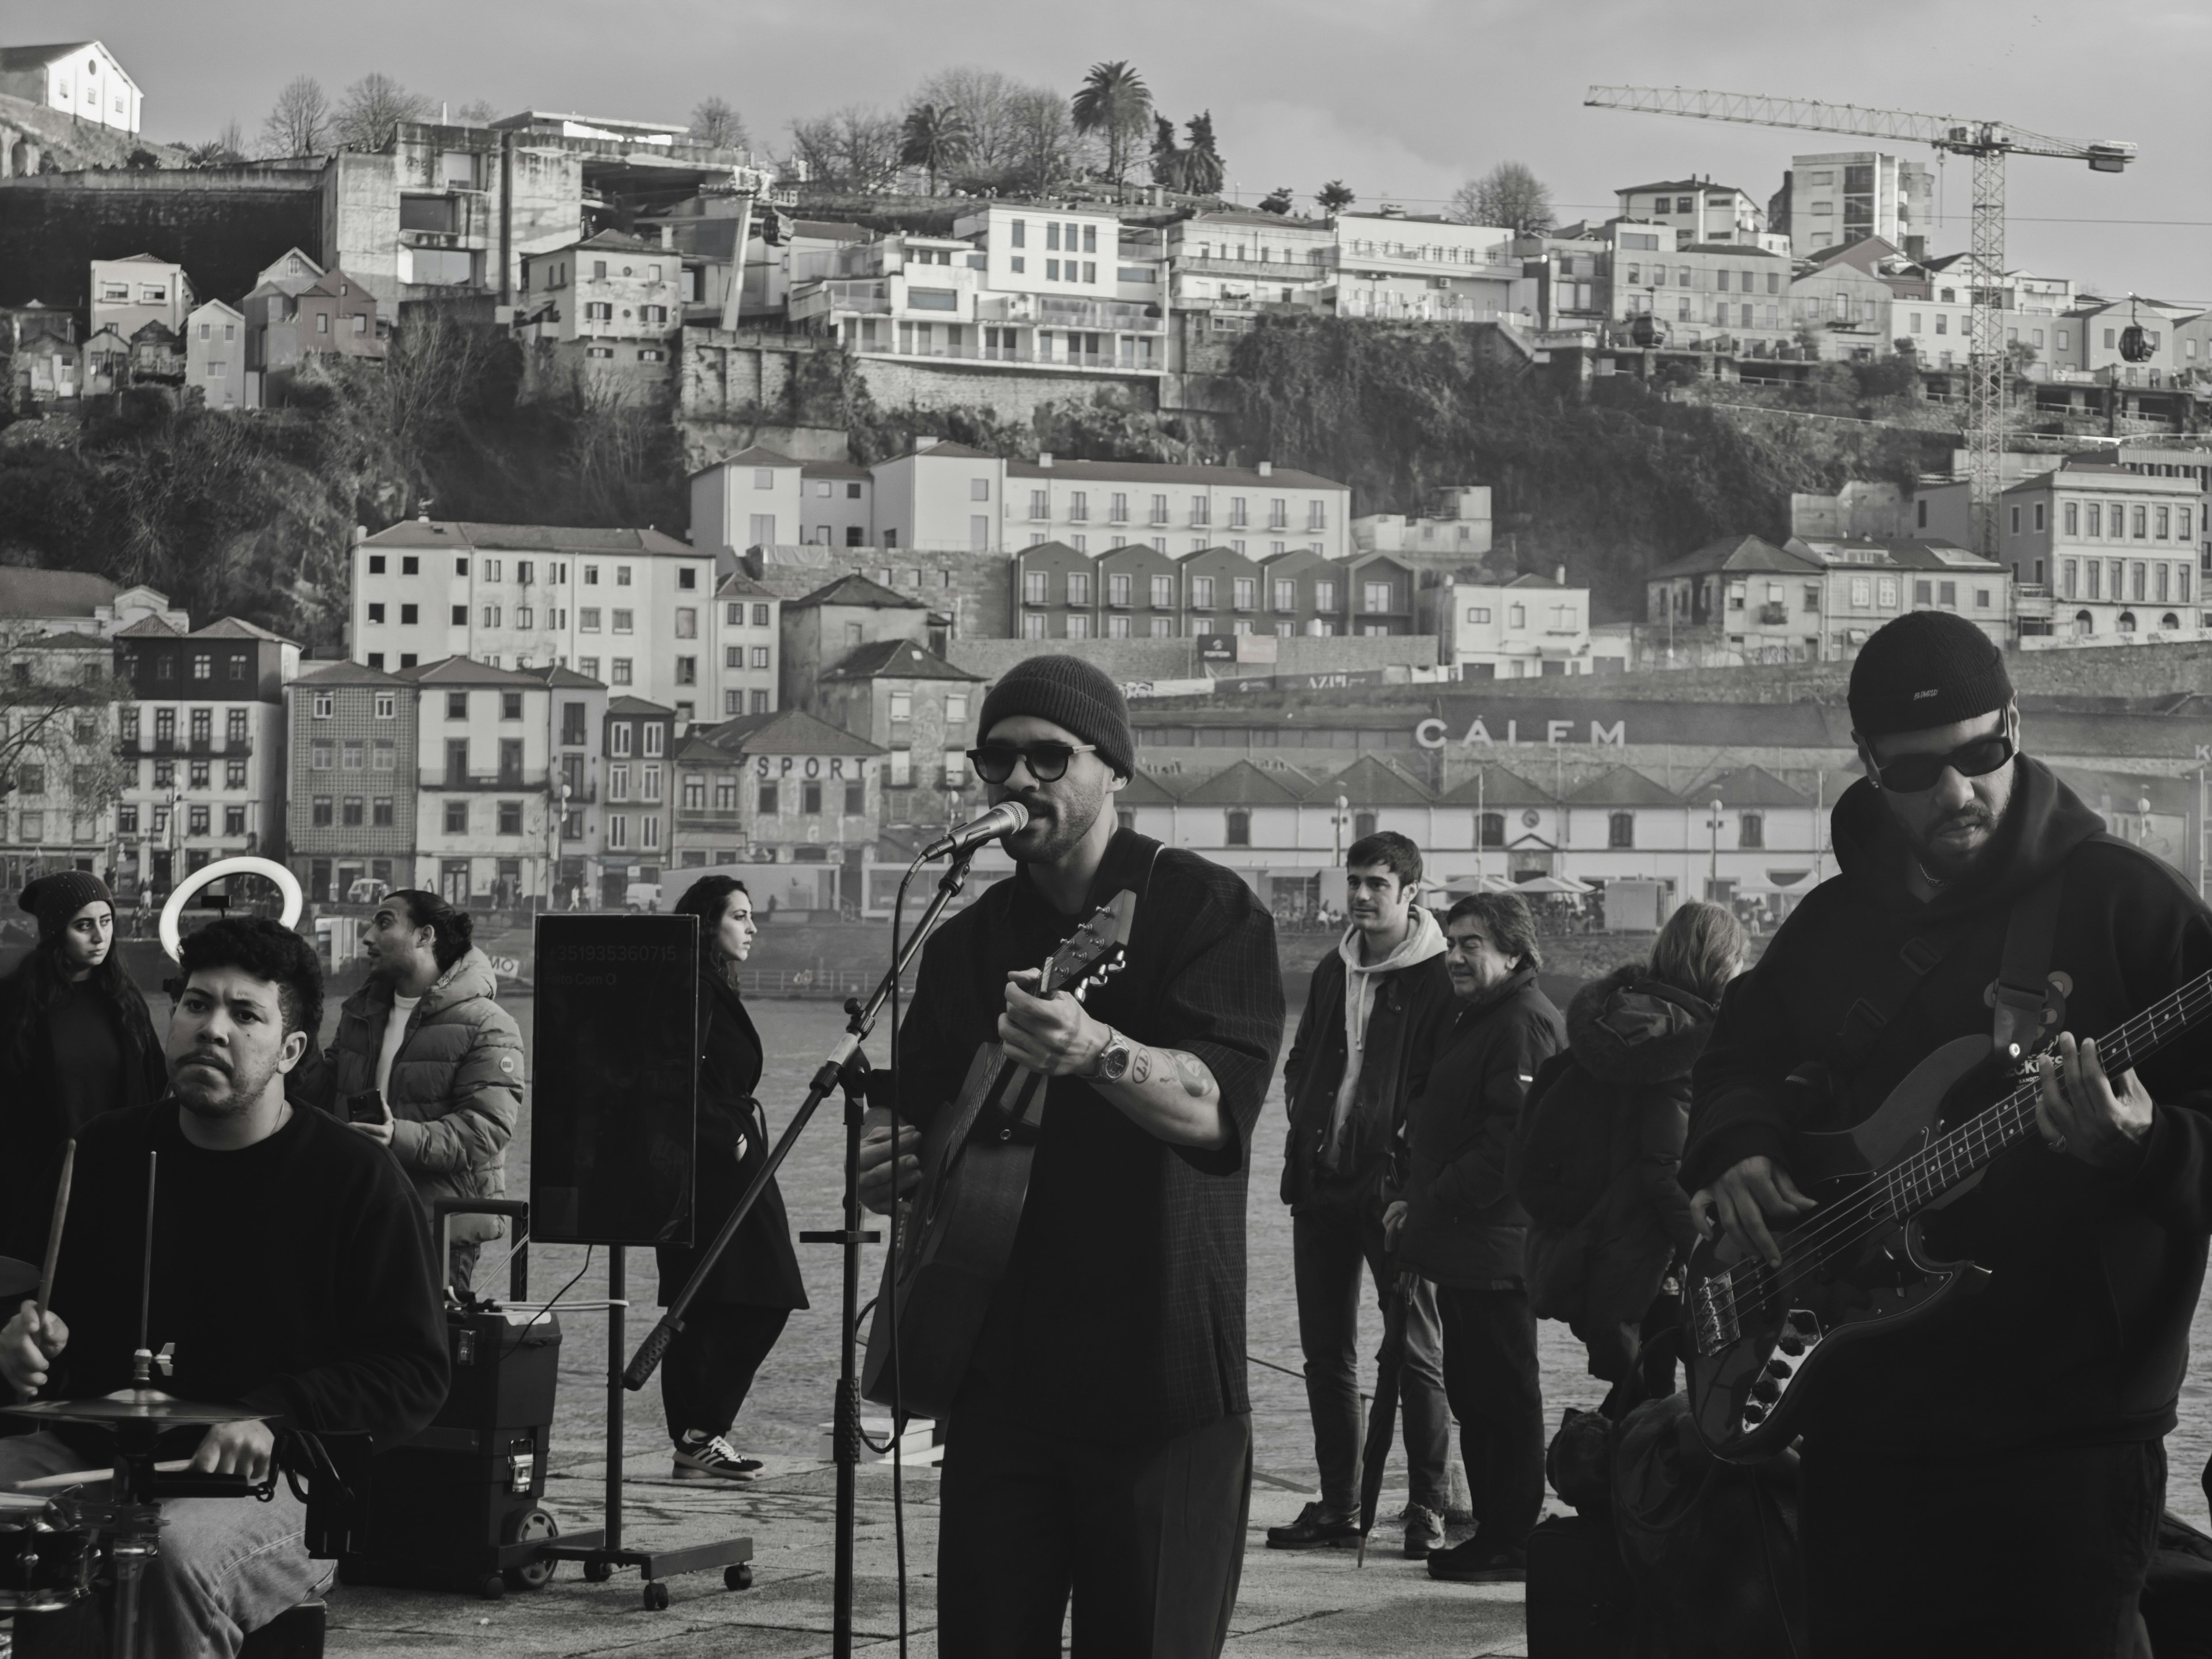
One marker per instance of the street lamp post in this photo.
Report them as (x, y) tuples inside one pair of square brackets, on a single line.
[(1343, 805), (1713, 875), (559, 794)]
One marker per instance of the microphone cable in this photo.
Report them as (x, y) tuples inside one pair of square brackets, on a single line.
[(890, 1262)]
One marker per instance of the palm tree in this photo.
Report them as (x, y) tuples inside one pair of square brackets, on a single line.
[(1113, 101), (933, 136)]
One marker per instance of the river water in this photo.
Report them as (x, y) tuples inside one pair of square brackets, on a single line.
[(791, 1399)]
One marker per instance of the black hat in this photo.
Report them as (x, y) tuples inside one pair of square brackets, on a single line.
[(54, 899), (1071, 693), (1927, 668)]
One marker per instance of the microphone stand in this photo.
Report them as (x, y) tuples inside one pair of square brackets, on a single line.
[(844, 1068)]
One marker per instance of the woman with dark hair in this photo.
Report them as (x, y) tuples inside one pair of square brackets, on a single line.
[(1598, 1168), (740, 1314), (76, 1039)]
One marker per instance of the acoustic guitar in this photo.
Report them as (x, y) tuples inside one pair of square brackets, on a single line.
[(956, 1233), (1758, 1338)]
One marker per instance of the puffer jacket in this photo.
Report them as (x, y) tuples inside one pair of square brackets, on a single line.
[(456, 1085), (1631, 1040)]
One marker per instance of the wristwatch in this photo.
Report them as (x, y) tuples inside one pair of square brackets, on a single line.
[(1113, 1061)]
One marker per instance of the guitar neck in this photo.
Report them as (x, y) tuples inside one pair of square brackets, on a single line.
[(1967, 1149)]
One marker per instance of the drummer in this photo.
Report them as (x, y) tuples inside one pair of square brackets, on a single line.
[(291, 1271)]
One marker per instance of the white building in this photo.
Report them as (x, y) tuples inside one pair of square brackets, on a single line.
[(1698, 209), (1457, 525), (1837, 197), (949, 497), (483, 793), (129, 293), (608, 307), (2116, 551), (1397, 266), (81, 78), (35, 602), (215, 354), (1508, 629), (634, 609)]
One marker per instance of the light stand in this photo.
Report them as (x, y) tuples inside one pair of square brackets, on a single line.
[(839, 1069)]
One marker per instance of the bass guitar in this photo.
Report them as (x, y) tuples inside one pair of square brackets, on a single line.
[(955, 1234), (1758, 1338)]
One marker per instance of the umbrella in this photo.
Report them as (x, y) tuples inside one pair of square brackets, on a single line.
[(1383, 1420), (1555, 884)]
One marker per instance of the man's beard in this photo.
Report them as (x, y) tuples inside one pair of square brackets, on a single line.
[(204, 1097), (1051, 832), (1944, 865)]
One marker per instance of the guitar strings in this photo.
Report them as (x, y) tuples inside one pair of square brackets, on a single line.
[(2010, 1115)]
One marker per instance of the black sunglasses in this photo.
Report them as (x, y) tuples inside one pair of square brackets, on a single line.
[(1909, 774), (1047, 761)]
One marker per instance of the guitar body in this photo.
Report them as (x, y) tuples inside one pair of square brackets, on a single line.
[(1755, 1341), (955, 1236)]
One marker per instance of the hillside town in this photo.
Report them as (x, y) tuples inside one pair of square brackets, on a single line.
[(522, 714)]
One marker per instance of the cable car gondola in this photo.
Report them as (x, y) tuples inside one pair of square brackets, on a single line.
[(2135, 345), (1647, 331)]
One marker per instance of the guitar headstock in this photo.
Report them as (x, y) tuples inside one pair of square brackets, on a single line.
[(1093, 948)]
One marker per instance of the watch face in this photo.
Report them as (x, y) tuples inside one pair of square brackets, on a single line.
[(1114, 1061)]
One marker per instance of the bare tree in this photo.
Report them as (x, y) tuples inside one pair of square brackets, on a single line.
[(1509, 196), (299, 124), (716, 122), (57, 732), (372, 108), (989, 100), (856, 147), (476, 112), (1042, 146)]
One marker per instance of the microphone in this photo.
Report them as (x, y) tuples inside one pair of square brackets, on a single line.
[(1006, 818)]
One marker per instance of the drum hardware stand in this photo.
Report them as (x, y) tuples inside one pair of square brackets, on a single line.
[(844, 1068)]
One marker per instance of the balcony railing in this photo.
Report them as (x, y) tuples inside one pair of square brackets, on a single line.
[(1281, 270), (1131, 364)]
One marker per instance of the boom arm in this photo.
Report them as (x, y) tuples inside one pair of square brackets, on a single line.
[(1946, 133)]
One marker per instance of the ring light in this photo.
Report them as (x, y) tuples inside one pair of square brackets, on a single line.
[(287, 883)]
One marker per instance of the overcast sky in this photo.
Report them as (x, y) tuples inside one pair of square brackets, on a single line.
[(1401, 99)]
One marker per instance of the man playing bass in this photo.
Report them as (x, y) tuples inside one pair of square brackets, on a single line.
[(1990, 1478), (1101, 1443)]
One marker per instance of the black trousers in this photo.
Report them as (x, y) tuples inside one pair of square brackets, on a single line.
[(1490, 1379), (1149, 1540), (2040, 1555), (709, 1368), (1334, 1256)]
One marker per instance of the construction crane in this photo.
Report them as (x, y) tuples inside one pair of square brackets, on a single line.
[(1989, 142)]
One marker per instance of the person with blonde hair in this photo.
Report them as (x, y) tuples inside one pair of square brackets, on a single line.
[(1598, 1166)]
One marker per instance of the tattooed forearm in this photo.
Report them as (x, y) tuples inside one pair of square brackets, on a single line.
[(1140, 1068), (1197, 1081)]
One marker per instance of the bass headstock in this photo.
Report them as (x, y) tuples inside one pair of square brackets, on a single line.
[(1094, 949)]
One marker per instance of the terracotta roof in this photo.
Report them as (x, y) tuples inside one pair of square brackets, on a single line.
[(1372, 781), (1737, 553), (568, 678), (237, 627), (832, 230), (787, 732), (1747, 786), (28, 592), (629, 705), (467, 671), (698, 749), (737, 585), (956, 451), (346, 673), (835, 469), (755, 455), (1151, 473), (896, 659), (16, 58), (1242, 784), (526, 537), (1678, 184), (1496, 786), (856, 590), (1622, 785), (70, 641), (148, 628), (1143, 789)]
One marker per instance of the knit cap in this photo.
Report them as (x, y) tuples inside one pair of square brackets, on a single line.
[(54, 899), (1927, 668), (1070, 693)]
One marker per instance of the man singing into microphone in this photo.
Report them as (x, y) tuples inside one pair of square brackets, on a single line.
[(1102, 1443)]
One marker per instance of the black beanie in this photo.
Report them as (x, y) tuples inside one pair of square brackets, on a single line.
[(54, 899), (1071, 693), (1927, 668)]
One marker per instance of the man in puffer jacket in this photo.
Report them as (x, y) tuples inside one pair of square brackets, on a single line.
[(1456, 1224), (425, 1035)]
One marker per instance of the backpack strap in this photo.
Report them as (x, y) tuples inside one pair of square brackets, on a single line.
[(2021, 971)]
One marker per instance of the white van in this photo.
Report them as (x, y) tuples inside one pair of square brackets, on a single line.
[(642, 895)]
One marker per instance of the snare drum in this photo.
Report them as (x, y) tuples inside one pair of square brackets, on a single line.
[(46, 1553)]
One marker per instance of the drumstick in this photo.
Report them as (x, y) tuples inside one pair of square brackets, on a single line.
[(54, 1233)]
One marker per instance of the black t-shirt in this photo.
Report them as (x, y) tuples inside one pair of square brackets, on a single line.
[(1121, 1317), (86, 1048), (292, 1275)]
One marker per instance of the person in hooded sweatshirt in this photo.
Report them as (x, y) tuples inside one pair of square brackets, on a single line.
[(1988, 1478), (1602, 1179), (1371, 1017), (1455, 1223)]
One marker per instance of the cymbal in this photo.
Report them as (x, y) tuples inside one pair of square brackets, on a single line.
[(128, 1406), (17, 1278)]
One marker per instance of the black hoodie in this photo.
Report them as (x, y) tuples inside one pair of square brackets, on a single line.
[(2081, 1333)]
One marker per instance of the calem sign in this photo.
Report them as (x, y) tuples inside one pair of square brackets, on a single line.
[(1434, 733)]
